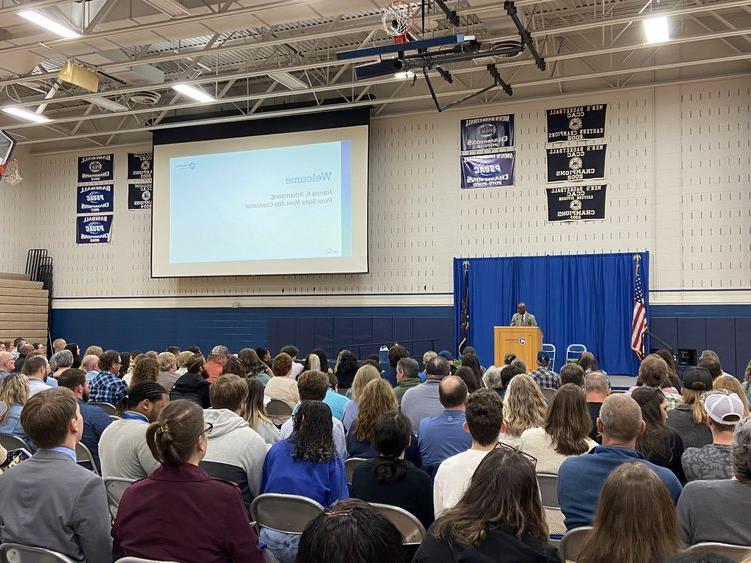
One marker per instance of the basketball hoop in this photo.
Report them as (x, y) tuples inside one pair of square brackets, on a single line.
[(398, 19), (9, 172)]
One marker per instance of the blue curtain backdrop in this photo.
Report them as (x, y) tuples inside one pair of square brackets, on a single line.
[(578, 299)]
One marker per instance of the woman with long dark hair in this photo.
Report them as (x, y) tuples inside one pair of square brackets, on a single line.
[(322, 358), (659, 443), (466, 374), (473, 362), (635, 520), (253, 365), (346, 368), (76, 351), (588, 362), (389, 478), (499, 518)]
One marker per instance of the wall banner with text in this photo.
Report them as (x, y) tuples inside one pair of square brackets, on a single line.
[(487, 133), (488, 170), (97, 168), (139, 196), (567, 164), (576, 203), (576, 123), (140, 165), (98, 198), (93, 229)]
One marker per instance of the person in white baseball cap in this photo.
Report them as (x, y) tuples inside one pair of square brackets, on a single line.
[(715, 461)]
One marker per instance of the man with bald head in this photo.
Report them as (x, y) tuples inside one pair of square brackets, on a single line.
[(580, 478), (442, 436)]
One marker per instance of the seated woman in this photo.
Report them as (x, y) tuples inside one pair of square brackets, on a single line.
[(179, 513), (588, 363), (389, 478), (730, 383), (524, 407), (304, 464), (254, 367), (689, 418), (499, 518), (256, 415), (633, 488), (364, 375), (14, 392), (193, 385), (346, 369), (282, 386)]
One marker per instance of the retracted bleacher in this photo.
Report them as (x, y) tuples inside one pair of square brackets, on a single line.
[(24, 308)]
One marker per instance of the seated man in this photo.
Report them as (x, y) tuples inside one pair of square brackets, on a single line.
[(95, 420), (36, 369), (543, 376), (49, 500), (572, 373), (484, 421), (235, 452), (334, 399), (444, 435), (715, 460), (407, 376), (580, 478), (122, 447), (422, 400), (716, 510), (597, 387), (107, 386)]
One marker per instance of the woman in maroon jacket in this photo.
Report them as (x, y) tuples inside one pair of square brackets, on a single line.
[(179, 513)]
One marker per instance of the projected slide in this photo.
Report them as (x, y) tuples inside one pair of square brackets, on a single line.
[(275, 204)]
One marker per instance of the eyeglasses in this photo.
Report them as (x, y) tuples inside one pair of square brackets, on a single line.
[(510, 448), (208, 429)]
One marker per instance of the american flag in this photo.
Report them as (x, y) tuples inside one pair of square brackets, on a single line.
[(639, 315)]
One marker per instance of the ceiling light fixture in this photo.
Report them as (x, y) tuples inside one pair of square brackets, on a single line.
[(26, 114), (169, 7), (194, 93), (404, 75), (288, 80), (106, 103), (657, 29), (50, 25)]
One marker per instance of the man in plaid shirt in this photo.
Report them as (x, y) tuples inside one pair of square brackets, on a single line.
[(544, 377), (107, 386)]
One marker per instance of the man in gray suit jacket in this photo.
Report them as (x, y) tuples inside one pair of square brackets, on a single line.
[(49, 500), (522, 318)]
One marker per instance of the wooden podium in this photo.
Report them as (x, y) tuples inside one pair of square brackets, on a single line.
[(524, 341)]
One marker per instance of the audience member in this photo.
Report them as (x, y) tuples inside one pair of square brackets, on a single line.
[(653, 372), (293, 352), (124, 364), (716, 510), (122, 446), (493, 379), (731, 384), (580, 478), (423, 401), (233, 366), (282, 386), (444, 435), (544, 377), (390, 479), (174, 350), (635, 520), (346, 369), (573, 373), (107, 387), (375, 400), (254, 367), (215, 362), (350, 531), (90, 365), (193, 385), (508, 373), (36, 370), (182, 359), (689, 418), (94, 351), (235, 451), (305, 464), (23, 352), (673, 376), (50, 501), (470, 360), (147, 369), (336, 401), (73, 348), (201, 519), (325, 368), (255, 413), (588, 362), (521, 365), (746, 386), (715, 460), (524, 408), (484, 421), (597, 388), (95, 420), (364, 375), (407, 376), (58, 344), (7, 364), (167, 368), (467, 375), (426, 357), (264, 355), (63, 361), (711, 354), (14, 392), (659, 443), (396, 353), (499, 517), (712, 365)]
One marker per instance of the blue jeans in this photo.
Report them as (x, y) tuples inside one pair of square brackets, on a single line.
[(281, 544)]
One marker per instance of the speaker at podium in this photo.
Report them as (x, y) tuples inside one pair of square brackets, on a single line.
[(522, 341)]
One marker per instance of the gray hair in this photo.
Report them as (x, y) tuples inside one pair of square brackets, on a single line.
[(621, 417), (596, 381), (519, 363), (742, 450), (492, 378), (409, 367), (63, 359)]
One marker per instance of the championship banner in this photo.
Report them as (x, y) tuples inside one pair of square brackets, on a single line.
[(484, 133), (96, 199), (488, 171), (140, 165), (576, 123), (566, 164), (93, 229), (139, 196), (576, 203), (95, 168)]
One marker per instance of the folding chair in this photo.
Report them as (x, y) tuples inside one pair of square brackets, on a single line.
[(106, 407), (139, 560), (13, 442), (734, 552), (115, 488), (549, 349), (17, 553), (284, 513), (114, 417), (573, 542), (279, 411), (350, 465), (574, 352), (84, 457), (408, 525), (548, 393), (548, 484)]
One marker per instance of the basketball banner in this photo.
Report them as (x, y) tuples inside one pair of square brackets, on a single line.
[(584, 162), (484, 133), (97, 168), (99, 198), (576, 123), (488, 170), (139, 196), (140, 165), (93, 229), (576, 203)]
